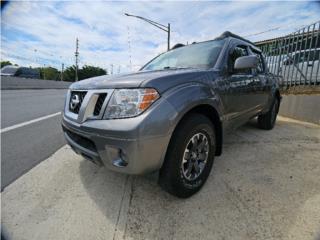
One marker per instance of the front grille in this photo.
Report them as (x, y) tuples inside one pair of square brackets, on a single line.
[(82, 141), (76, 99), (99, 104)]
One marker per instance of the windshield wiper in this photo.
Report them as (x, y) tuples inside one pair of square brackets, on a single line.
[(168, 67)]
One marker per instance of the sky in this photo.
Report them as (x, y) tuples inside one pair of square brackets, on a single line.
[(43, 33)]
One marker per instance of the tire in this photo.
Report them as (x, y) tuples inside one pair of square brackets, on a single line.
[(192, 144), (267, 121)]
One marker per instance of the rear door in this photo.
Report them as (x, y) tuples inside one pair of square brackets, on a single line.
[(260, 87)]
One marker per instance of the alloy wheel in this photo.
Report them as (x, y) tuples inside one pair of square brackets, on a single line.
[(195, 156)]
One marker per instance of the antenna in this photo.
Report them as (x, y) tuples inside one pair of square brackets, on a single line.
[(129, 43), (111, 72)]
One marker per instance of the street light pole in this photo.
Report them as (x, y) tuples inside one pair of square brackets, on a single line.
[(62, 68), (168, 36), (158, 25)]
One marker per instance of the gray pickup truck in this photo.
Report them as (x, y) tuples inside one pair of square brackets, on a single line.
[(173, 113)]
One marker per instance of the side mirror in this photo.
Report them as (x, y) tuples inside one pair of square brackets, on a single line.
[(246, 62), (288, 61)]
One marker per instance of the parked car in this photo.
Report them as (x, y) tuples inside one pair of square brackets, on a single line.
[(23, 72), (9, 70), (298, 67), (173, 113), (28, 72)]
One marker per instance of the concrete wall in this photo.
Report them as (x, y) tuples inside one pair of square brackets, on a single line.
[(301, 107), (27, 83)]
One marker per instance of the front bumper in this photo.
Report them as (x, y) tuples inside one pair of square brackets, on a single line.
[(133, 146)]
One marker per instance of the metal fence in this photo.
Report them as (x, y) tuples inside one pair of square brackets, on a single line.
[(295, 57)]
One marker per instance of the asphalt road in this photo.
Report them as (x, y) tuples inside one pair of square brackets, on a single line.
[(25, 146)]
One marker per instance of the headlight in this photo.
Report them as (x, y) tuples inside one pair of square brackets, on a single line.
[(125, 103)]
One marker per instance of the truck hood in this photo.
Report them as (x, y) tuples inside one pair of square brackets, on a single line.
[(160, 79)]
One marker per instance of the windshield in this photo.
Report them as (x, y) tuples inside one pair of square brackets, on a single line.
[(200, 55)]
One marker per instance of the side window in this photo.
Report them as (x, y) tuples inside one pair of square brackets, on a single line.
[(238, 51), (317, 56), (309, 55), (301, 57), (260, 66)]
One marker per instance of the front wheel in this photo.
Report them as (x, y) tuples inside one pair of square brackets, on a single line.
[(267, 121), (189, 158)]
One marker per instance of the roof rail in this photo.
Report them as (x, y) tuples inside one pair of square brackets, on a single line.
[(227, 34), (178, 45), (230, 34)]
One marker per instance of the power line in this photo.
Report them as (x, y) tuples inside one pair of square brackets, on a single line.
[(29, 59), (269, 30), (46, 53), (277, 28)]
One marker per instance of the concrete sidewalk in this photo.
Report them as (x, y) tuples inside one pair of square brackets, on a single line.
[(266, 185)]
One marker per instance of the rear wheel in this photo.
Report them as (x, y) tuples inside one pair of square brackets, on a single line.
[(189, 157), (267, 121)]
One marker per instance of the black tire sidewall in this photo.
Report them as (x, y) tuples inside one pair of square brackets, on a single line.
[(272, 119), (267, 121), (179, 185)]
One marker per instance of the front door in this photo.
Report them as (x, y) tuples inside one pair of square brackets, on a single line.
[(238, 93)]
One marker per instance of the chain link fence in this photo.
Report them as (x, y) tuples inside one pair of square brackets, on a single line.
[(295, 57)]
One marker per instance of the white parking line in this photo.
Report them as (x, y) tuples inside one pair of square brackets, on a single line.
[(3, 130)]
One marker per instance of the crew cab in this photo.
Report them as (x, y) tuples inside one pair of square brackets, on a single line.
[(171, 115)]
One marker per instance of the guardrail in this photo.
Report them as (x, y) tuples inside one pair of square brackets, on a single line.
[(295, 57)]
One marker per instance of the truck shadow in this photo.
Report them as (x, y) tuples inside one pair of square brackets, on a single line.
[(245, 197)]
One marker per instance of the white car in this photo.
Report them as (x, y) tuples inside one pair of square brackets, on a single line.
[(9, 70), (298, 67)]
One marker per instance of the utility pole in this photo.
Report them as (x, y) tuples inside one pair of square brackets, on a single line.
[(168, 30), (35, 56), (111, 65), (62, 66), (44, 74), (77, 55), (158, 25)]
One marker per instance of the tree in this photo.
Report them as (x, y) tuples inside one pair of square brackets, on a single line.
[(49, 73), (69, 74), (83, 73), (5, 63), (90, 71)]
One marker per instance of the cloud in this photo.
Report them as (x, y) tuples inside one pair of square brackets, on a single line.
[(45, 32)]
